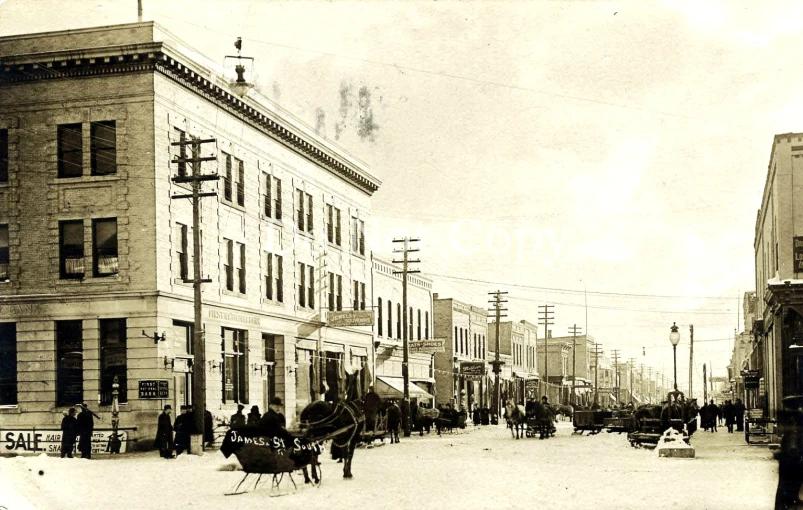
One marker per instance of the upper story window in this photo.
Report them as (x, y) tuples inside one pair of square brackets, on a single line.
[(273, 278), (273, 197), (234, 180), (241, 268), (182, 152), (379, 319), (426, 325), (358, 236), (104, 247), (335, 292), (228, 265), (306, 286), (390, 319), (304, 219), (333, 234), (182, 250), (4, 255), (70, 150), (3, 155), (103, 147), (71, 249)]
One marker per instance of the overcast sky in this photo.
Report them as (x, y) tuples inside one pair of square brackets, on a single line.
[(619, 147)]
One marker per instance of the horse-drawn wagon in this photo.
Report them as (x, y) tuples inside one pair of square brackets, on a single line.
[(621, 420), (652, 420)]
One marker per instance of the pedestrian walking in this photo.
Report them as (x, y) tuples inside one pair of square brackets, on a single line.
[(739, 410), (68, 431), (209, 427), (253, 416), (237, 419), (714, 414), (85, 426), (730, 416), (164, 433), (182, 428)]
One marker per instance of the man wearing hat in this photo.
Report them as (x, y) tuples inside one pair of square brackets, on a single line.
[(183, 426), (238, 418), (164, 434), (273, 419), (85, 425)]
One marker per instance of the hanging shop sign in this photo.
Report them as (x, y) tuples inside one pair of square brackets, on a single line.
[(427, 346), (472, 370), (751, 378), (38, 441), (154, 389), (531, 384), (350, 318)]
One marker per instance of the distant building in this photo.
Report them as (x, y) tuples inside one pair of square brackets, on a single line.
[(518, 344), (464, 328), (387, 294)]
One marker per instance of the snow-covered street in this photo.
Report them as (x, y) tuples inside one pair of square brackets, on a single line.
[(476, 468)]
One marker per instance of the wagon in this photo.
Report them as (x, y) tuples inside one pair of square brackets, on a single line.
[(620, 421), (378, 431), (591, 421)]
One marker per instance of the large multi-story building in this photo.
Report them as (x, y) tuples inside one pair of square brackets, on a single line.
[(742, 347), (95, 249), (386, 285), (518, 346), (779, 288), (569, 358), (464, 329)]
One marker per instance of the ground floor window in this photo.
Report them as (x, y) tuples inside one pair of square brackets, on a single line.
[(304, 378), (113, 360), (269, 346), (235, 366), (8, 363), (182, 345), (70, 363)]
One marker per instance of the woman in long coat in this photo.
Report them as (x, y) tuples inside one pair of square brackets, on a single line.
[(164, 434)]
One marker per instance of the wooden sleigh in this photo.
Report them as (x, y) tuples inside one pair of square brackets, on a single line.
[(271, 455)]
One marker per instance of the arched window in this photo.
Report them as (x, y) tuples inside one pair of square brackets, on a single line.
[(419, 324), (426, 325), (390, 319)]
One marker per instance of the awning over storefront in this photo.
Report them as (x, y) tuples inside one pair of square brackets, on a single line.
[(393, 387)]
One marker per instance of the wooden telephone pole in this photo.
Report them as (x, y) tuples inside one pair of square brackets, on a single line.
[(195, 179), (597, 352), (574, 330), (618, 375), (691, 358), (546, 316), (496, 308), (405, 334)]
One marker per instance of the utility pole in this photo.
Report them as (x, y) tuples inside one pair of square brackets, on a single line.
[(691, 358), (574, 330), (198, 340), (597, 352), (617, 377), (631, 362), (405, 344), (546, 317), (649, 384), (705, 386), (496, 308)]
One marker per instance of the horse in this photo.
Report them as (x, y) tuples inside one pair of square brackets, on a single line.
[(342, 423), (516, 419), (426, 418), (564, 411), (394, 419)]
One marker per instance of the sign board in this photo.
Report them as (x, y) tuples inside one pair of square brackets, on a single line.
[(350, 318), (472, 370), (427, 346), (797, 253), (751, 378), (38, 441), (531, 384), (154, 389)]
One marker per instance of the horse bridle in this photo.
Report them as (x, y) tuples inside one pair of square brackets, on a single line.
[(331, 418)]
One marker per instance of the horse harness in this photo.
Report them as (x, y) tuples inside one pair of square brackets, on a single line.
[(356, 418)]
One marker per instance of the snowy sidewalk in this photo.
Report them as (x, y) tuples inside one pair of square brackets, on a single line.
[(483, 469)]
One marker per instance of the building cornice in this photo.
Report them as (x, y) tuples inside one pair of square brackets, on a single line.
[(160, 57)]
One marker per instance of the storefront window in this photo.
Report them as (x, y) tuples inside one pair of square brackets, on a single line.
[(113, 360), (69, 367), (235, 366)]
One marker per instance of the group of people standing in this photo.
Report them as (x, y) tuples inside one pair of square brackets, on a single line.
[(731, 413), (78, 427), (172, 436)]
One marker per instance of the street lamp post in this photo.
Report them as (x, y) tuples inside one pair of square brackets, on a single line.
[(674, 337)]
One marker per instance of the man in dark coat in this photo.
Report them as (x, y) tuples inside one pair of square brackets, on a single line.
[(730, 417), (85, 425), (370, 406), (237, 419), (209, 428), (183, 428), (713, 414), (272, 424), (164, 434), (68, 429), (738, 411)]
